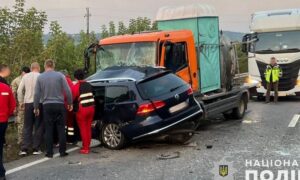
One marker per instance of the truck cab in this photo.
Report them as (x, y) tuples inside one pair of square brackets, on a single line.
[(174, 50), (276, 34)]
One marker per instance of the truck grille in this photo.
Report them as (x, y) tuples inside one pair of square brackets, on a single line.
[(289, 77)]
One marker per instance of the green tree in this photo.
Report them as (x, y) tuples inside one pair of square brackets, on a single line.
[(104, 32), (143, 24), (132, 26), (243, 60), (121, 28), (21, 33), (154, 26), (60, 48), (84, 41), (112, 28)]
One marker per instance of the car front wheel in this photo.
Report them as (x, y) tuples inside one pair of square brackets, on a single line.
[(112, 137)]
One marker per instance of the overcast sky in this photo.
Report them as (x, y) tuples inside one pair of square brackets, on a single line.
[(234, 14)]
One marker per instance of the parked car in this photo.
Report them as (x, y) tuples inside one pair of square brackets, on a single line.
[(138, 102)]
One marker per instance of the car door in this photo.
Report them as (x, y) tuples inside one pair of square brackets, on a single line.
[(176, 59), (120, 105)]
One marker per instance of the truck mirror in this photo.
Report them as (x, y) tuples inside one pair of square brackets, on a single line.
[(245, 45), (91, 50)]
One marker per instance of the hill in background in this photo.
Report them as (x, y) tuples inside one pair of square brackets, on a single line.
[(233, 36)]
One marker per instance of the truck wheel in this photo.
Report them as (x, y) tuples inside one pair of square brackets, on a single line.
[(239, 112), (260, 97), (112, 137), (228, 115)]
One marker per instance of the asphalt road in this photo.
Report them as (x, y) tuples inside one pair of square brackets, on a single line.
[(262, 135)]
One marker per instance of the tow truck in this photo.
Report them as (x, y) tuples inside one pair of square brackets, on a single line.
[(189, 44)]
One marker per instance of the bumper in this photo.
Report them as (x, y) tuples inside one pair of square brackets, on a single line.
[(155, 125), (293, 92)]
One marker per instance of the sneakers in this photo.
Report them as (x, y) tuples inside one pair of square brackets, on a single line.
[(84, 151), (37, 152), (49, 155), (63, 154), (22, 153)]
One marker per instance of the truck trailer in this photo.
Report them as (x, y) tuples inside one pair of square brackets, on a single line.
[(189, 44), (276, 34)]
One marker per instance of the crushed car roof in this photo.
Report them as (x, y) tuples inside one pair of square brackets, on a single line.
[(133, 73)]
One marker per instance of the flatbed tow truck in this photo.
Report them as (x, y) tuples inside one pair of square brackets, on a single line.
[(190, 45)]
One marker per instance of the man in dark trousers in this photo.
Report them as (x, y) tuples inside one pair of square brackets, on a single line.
[(7, 107), (272, 75), (51, 86), (33, 129), (4, 73)]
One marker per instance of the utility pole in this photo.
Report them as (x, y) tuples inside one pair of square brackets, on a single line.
[(87, 16)]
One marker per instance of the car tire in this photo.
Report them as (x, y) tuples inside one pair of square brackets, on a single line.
[(112, 137), (239, 112)]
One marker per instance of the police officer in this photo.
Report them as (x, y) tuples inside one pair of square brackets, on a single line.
[(20, 110), (272, 74)]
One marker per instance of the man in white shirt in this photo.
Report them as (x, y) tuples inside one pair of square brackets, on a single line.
[(26, 98)]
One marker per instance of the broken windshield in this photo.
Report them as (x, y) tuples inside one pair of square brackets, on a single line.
[(129, 54)]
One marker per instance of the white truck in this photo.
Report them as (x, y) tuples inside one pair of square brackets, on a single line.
[(276, 34)]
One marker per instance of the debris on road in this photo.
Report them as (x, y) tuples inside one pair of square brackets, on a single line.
[(74, 163), (169, 156), (191, 144), (209, 146)]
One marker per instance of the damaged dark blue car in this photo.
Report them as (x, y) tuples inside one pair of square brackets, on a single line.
[(134, 103)]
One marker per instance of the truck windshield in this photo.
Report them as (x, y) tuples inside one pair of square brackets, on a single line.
[(130, 54), (278, 42)]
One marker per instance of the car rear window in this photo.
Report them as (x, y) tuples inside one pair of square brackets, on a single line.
[(159, 86)]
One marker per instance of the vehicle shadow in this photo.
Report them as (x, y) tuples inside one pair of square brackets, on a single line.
[(280, 99)]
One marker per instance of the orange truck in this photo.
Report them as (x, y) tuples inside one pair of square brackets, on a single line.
[(190, 45)]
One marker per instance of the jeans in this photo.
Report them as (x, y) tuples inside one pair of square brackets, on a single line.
[(3, 127), (32, 124), (54, 117), (275, 88)]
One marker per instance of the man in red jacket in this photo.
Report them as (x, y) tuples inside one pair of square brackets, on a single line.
[(7, 107)]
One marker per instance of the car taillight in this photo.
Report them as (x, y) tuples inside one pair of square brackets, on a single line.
[(149, 107), (190, 91)]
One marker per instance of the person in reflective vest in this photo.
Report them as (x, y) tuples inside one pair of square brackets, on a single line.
[(84, 107), (272, 74)]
